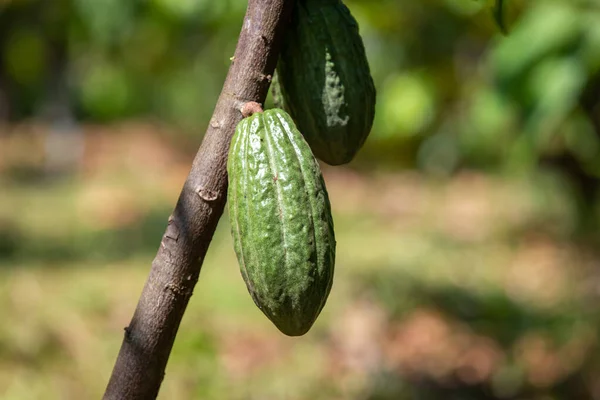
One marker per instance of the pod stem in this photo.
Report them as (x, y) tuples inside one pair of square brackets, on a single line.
[(250, 108)]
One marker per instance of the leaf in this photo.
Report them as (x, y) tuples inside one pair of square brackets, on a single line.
[(498, 14)]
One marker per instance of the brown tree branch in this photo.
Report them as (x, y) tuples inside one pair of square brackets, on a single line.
[(148, 340)]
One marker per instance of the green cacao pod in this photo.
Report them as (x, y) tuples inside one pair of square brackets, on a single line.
[(276, 92), (325, 79), (280, 220)]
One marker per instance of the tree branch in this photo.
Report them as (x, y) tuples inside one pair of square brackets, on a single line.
[(148, 340)]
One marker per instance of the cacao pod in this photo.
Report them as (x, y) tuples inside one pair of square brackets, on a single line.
[(276, 93), (280, 220), (325, 79)]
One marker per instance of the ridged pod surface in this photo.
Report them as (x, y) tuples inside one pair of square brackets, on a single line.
[(280, 220), (325, 79)]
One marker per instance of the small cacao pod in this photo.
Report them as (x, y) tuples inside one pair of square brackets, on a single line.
[(325, 79), (280, 220)]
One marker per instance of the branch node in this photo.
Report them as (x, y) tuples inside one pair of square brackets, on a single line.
[(206, 194), (127, 330), (215, 124), (250, 108), (177, 290), (172, 229)]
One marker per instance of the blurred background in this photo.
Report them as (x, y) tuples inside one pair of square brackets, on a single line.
[(467, 228)]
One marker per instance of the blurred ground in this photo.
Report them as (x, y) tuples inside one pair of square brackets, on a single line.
[(464, 288)]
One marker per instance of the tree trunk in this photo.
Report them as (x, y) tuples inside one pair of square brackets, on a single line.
[(148, 340)]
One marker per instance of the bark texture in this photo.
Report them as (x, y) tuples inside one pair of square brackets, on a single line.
[(140, 366)]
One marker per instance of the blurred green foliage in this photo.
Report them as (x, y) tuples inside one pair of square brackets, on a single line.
[(453, 91)]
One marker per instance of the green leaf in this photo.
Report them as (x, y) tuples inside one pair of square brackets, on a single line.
[(498, 14)]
